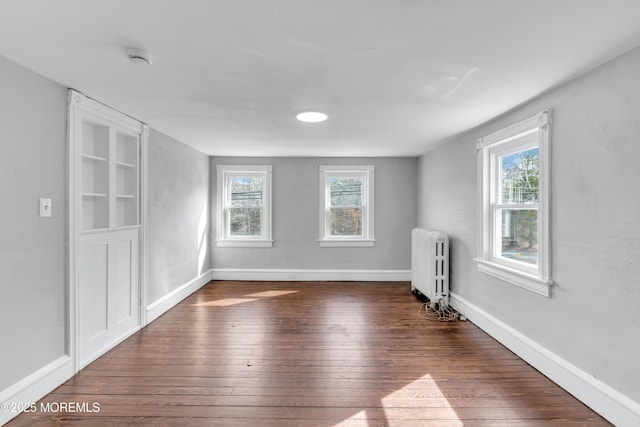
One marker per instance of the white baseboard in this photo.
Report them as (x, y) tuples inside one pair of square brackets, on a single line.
[(34, 387), (162, 305), (272, 274), (608, 402)]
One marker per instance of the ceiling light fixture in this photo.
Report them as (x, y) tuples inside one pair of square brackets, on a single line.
[(138, 56), (312, 117)]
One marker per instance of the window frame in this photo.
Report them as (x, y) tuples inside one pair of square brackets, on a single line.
[(366, 174), (224, 238), (513, 139)]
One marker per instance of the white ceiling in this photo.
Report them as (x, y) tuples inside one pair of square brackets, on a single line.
[(396, 77)]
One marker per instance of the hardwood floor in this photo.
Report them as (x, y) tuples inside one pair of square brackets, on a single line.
[(309, 354)]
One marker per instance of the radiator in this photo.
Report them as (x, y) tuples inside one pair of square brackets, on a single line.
[(430, 265)]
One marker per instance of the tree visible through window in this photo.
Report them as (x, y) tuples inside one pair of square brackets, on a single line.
[(513, 209), (346, 205), (519, 195), (245, 211), (244, 206)]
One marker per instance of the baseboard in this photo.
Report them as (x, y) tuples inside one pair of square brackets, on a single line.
[(162, 305), (272, 274), (608, 402), (34, 387), (37, 385)]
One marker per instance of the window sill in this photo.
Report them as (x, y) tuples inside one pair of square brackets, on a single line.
[(515, 277), (346, 243), (244, 243)]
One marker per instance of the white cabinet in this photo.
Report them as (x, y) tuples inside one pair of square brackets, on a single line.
[(95, 176), (110, 176), (108, 294), (126, 170), (106, 227)]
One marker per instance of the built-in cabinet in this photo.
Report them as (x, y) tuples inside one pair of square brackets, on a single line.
[(106, 226), (126, 203), (110, 177)]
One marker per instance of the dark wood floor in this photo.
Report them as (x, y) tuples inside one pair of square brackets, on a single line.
[(310, 354)]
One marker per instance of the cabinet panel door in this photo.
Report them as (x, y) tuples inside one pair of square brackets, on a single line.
[(123, 278), (95, 275), (108, 290)]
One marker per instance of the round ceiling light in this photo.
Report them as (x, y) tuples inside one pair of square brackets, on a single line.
[(311, 117)]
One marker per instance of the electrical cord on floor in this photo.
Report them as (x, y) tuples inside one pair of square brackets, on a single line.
[(438, 312)]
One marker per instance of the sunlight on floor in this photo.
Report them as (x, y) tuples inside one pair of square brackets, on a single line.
[(437, 408), (403, 405), (225, 302), (359, 419), (271, 293)]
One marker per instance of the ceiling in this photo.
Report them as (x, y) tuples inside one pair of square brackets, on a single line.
[(395, 77)]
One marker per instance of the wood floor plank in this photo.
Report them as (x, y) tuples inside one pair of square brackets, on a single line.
[(309, 354)]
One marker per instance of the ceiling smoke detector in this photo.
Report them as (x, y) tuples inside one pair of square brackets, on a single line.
[(138, 56)]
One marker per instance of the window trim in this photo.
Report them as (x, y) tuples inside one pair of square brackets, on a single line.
[(533, 278), (223, 239), (367, 173)]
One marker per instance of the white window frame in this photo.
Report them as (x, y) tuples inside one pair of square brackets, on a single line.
[(224, 239), (366, 174), (515, 138)]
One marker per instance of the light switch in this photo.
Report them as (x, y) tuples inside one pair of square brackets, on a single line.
[(45, 208)]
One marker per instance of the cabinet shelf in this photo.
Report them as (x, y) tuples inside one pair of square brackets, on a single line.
[(125, 165), (92, 157), (110, 166)]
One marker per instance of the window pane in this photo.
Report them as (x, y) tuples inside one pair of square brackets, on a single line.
[(520, 235), (346, 191), (245, 221), (519, 177), (246, 191), (346, 222)]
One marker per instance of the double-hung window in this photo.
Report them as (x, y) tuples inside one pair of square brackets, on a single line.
[(513, 176), (244, 206), (346, 205)]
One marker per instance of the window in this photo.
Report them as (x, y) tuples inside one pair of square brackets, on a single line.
[(244, 206), (513, 173), (346, 205)]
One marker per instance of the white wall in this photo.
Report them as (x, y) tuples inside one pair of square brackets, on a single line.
[(33, 260), (592, 319), (32, 249), (178, 220), (296, 218)]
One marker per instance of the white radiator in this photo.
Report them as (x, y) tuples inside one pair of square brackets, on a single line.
[(430, 265)]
